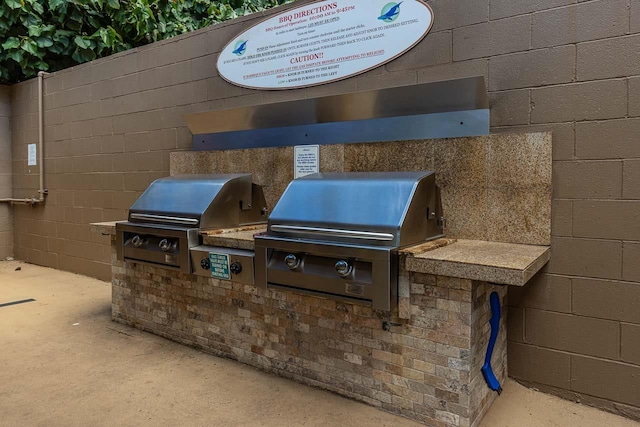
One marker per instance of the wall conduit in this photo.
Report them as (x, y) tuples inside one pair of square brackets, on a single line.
[(41, 191)]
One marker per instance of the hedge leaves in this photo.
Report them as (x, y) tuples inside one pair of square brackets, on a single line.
[(54, 34)]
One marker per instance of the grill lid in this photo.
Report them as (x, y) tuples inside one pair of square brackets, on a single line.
[(196, 201), (376, 208)]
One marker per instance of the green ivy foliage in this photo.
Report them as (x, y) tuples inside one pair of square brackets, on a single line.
[(50, 35)]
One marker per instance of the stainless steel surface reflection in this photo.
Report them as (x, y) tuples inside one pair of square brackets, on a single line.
[(338, 234), (165, 222), (444, 109), (382, 209)]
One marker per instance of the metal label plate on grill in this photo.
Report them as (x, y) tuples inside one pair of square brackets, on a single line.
[(219, 266), (356, 289)]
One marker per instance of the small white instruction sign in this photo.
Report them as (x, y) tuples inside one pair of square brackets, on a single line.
[(31, 155), (306, 160)]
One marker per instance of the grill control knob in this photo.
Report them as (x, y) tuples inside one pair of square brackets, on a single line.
[(205, 264), (137, 241), (236, 268), (164, 245), (343, 268), (291, 261)]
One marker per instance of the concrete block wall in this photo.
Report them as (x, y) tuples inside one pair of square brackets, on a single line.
[(567, 66), (6, 217)]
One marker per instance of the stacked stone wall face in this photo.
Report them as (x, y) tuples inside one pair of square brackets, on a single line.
[(426, 367)]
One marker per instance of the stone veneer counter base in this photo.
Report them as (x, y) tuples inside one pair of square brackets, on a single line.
[(422, 361)]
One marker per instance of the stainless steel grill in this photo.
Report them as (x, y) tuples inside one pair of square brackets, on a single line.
[(165, 222), (338, 234)]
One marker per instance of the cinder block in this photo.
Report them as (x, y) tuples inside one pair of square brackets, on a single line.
[(586, 257), (192, 45), (203, 67), (606, 299), (217, 88), (543, 292), (454, 70), (587, 180), (176, 73), (85, 146), (382, 80), (165, 139), (112, 144), (80, 129), (74, 96), (124, 199), (191, 93), (630, 264), (100, 163), (615, 381), (607, 219), (505, 8), (453, 14), (578, 23), (630, 343), (515, 325), (101, 90), (136, 142), (577, 334), (125, 85), (150, 79), (136, 181), (597, 100), (433, 49), (611, 139), (532, 68), (634, 97), (101, 127), (77, 76), (631, 179), (540, 365), (150, 161), (608, 58), (510, 107), (635, 16), (157, 99), (492, 38), (561, 217)]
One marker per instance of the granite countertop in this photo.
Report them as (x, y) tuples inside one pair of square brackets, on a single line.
[(105, 228), (238, 238), (495, 262)]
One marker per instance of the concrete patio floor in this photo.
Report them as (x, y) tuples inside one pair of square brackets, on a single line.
[(64, 363)]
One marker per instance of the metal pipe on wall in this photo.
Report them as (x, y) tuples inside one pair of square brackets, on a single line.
[(41, 191)]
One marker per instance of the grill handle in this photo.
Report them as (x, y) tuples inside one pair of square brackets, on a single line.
[(164, 218), (295, 229)]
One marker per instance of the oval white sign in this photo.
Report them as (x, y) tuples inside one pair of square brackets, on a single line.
[(323, 42)]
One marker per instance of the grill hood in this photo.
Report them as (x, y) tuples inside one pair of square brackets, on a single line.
[(200, 201), (392, 209)]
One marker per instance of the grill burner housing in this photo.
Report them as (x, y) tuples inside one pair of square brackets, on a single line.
[(338, 234), (166, 220)]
